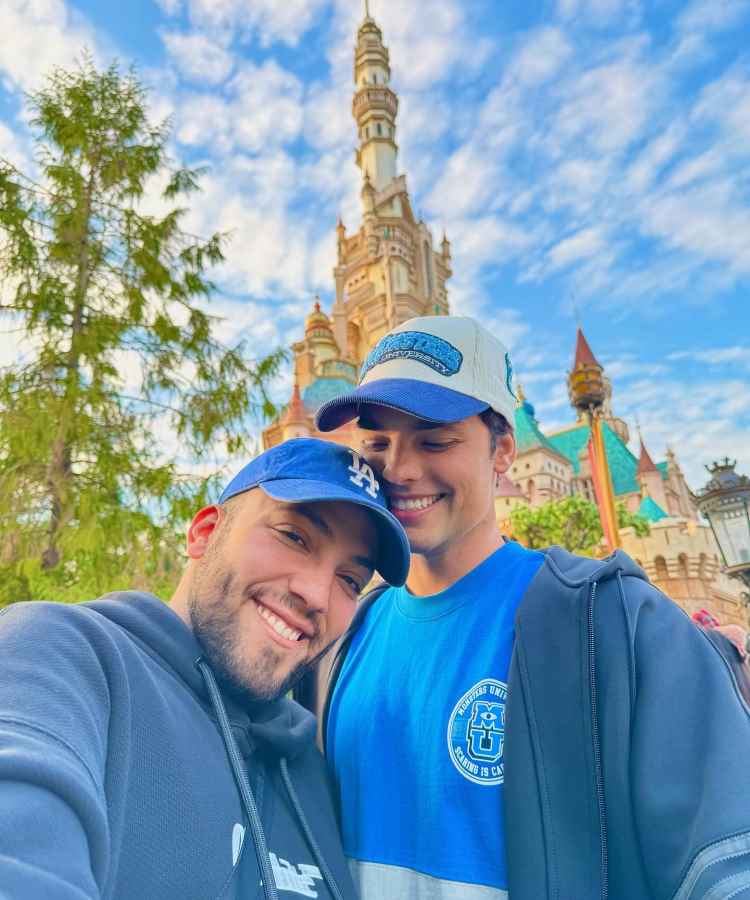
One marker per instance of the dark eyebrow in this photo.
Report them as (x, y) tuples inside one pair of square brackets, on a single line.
[(320, 523)]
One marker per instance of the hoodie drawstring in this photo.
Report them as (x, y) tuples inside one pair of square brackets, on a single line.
[(323, 865), (243, 785)]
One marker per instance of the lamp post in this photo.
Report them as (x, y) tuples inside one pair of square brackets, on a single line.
[(725, 502)]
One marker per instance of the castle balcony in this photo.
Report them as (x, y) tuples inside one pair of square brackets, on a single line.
[(370, 99)]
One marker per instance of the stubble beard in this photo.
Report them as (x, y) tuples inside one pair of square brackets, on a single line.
[(214, 624)]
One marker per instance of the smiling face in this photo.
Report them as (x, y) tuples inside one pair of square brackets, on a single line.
[(274, 585), (440, 480)]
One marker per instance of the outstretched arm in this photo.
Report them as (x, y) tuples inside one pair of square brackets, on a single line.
[(53, 731)]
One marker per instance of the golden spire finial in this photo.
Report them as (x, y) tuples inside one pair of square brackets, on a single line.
[(367, 9)]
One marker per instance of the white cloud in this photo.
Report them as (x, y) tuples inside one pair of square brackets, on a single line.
[(706, 221), (260, 110), (585, 243), (599, 12), (14, 148), (711, 15), (716, 356), (269, 20), (39, 36), (703, 425), (541, 56), (198, 57)]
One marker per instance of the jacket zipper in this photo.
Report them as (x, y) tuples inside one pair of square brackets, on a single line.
[(327, 874), (240, 776), (597, 749)]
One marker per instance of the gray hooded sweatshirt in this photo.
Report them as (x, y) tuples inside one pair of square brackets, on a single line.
[(125, 774)]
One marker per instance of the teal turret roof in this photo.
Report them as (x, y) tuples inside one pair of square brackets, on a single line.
[(650, 509), (324, 389), (622, 463), (528, 435)]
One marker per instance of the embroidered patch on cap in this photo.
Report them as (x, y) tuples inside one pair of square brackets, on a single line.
[(428, 349)]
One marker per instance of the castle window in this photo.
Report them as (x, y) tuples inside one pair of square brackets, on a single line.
[(682, 565), (380, 129), (702, 560), (661, 568)]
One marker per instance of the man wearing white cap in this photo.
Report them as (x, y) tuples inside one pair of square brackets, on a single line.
[(509, 722)]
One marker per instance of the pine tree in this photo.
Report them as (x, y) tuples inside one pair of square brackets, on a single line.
[(87, 500)]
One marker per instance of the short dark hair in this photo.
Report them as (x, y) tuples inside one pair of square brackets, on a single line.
[(497, 425)]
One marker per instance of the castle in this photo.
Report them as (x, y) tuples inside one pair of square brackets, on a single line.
[(388, 271)]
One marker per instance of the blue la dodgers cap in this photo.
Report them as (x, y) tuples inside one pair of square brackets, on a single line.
[(308, 470), (438, 368)]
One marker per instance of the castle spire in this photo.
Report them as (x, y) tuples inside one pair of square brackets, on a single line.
[(375, 105), (645, 463), (584, 356)]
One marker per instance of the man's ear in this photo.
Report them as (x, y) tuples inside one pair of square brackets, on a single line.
[(201, 529), (505, 453)]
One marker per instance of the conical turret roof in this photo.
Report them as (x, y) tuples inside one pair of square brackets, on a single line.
[(645, 463), (584, 356), (296, 413)]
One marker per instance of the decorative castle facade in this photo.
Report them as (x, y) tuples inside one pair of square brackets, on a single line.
[(388, 271), (680, 555)]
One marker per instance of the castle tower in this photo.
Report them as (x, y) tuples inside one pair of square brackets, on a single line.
[(586, 362), (388, 271), (375, 106)]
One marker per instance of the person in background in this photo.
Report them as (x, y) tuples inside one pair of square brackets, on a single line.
[(148, 751), (732, 643)]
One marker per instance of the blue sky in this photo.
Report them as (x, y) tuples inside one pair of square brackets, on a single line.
[(589, 159)]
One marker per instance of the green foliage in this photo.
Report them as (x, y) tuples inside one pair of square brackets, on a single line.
[(627, 519), (89, 279), (572, 523)]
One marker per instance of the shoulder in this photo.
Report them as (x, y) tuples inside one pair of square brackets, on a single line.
[(61, 649), (42, 626)]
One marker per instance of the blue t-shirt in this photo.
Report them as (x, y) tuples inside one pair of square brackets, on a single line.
[(416, 735)]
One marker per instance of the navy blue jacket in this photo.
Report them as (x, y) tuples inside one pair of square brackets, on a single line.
[(627, 755), (125, 774)]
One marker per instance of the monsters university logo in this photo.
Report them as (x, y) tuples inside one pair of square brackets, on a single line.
[(476, 732)]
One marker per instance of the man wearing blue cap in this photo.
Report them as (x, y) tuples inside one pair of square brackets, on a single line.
[(148, 751), (511, 722)]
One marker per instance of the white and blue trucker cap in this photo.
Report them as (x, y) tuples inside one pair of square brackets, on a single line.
[(308, 470), (438, 368)]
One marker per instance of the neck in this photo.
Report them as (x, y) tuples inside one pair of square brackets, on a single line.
[(179, 601), (437, 570)]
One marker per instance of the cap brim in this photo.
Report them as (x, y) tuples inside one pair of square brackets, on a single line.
[(393, 551), (431, 402)]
